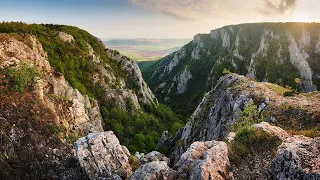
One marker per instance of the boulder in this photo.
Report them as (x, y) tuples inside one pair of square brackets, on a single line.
[(152, 156), (101, 156), (273, 130), (153, 171), (297, 158), (204, 160)]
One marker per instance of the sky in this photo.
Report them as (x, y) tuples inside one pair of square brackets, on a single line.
[(157, 18)]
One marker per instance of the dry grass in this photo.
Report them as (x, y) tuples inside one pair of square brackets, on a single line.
[(277, 89)]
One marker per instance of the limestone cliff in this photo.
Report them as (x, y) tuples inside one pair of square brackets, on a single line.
[(223, 105), (268, 52)]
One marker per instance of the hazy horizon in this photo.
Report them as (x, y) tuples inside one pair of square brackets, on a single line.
[(156, 19)]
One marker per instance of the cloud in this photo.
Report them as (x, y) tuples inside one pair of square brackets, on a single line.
[(195, 9), (186, 9), (283, 7)]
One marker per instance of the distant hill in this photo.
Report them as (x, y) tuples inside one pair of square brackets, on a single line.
[(145, 41)]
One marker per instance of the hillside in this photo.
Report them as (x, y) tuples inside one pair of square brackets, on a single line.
[(283, 53), (242, 129), (254, 120), (59, 83)]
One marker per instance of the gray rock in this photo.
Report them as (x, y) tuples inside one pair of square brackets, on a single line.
[(204, 160), (66, 37), (297, 158), (151, 171), (151, 156), (214, 115), (273, 130), (182, 81), (102, 156)]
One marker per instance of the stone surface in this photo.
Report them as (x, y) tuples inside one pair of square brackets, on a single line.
[(65, 37), (298, 58), (204, 160), (152, 171), (81, 115), (212, 118), (151, 156), (182, 81), (297, 158), (273, 130), (144, 94), (102, 156)]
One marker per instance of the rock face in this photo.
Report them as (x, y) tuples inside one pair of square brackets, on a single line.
[(81, 115), (144, 94), (297, 158), (102, 156), (213, 116), (224, 104), (66, 37), (263, 51)]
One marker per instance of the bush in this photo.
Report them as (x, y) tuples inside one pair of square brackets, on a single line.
[(290, 93), (23, 76), (249, 116), (249, 140)]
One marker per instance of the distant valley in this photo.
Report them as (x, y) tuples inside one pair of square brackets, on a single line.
[(144, 49)]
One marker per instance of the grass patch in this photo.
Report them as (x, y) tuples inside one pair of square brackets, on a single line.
[(313, 132), (277, 89)]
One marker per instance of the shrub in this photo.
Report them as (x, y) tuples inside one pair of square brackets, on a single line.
[(23, 76), (226, 71), (249, 140), (249, 116)]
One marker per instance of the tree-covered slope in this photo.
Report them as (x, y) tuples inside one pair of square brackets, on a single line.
[(127, 105), (274, 52)]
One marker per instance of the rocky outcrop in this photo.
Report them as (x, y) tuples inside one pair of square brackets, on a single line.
[(182, 81), (153, 171), (223, 106), (76, 112), (65, 37), (298, 58), (223, 34), (212, 118), (204, 160), (102, 156), (144, 93), (179, 55), (151, 156), (297, 158), (273, 130)]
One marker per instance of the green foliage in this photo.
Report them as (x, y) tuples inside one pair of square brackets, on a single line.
[(226, 71), (23, 76), (141, 130), (249, 116), (277, 89), (249, 140)]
